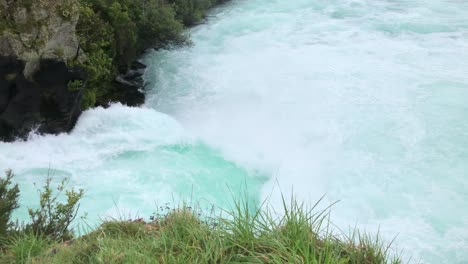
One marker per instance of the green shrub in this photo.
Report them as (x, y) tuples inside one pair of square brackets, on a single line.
[(158, 28), (75, 85), (9, 195), (97, 41), (25, 3), (191, 12), (53, 218), (114, 33)]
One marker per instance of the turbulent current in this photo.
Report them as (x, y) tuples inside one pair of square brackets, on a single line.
[(365, 102)]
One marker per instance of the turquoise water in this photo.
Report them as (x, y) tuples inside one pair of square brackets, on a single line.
[(365, 102), (130, 161)]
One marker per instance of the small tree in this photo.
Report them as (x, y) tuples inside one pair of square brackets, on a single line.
[(9, 195), (53, 218)]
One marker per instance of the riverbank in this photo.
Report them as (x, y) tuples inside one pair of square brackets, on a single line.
[(187, 235), (59, 58)]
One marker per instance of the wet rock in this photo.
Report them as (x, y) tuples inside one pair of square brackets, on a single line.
[(35, 46), (128, 87), (43, 103)]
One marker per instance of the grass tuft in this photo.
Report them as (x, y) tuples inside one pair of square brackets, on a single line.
[(183, 235)]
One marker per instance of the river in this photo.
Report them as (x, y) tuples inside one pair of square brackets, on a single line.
[(362, 102)]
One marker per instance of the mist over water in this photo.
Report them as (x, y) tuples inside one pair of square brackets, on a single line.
[(129, 161), (365, 102)]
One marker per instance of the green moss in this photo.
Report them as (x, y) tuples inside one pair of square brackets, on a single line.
[(89, 99), (3, 21), (75, 85), (59, 52), (68, 8), (25, 3), (10, 77)]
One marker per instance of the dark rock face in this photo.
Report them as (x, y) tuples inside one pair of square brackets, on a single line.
[(43, 103), (128, 87)]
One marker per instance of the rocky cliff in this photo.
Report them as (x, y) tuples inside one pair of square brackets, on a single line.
[(59, 56), (37, 42)]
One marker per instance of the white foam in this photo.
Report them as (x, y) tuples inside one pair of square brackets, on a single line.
[(98, 134), (363, 101), (128, 160)]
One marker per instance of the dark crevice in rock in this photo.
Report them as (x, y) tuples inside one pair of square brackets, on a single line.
[(127, 88), (44, 102)]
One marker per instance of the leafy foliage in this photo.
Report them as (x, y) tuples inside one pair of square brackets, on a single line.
[(97, 40), (53, 218), (113, 33), (191, 12), (9, 195), (49, 224)]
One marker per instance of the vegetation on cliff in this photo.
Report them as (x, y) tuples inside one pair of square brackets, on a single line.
[(111, 35), (37, 39), (182, 235), (114, 33), (58, 58)]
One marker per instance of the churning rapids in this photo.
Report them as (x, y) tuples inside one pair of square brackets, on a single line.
[(364, 101)]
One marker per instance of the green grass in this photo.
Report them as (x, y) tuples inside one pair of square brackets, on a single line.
[(243, 235)]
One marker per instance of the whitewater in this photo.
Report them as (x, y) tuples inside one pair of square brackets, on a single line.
[(362, 102)]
